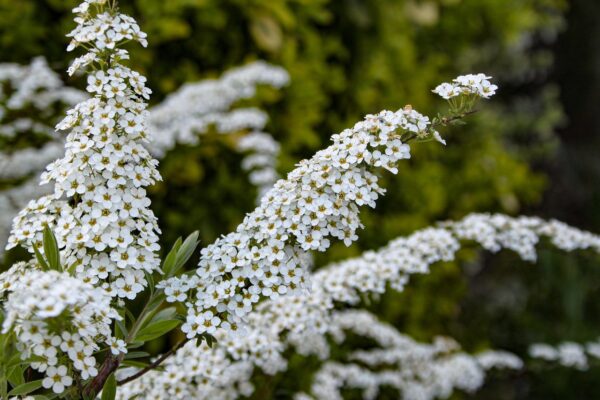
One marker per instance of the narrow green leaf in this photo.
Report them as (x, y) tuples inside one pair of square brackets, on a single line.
[(186, 251), (109, 391), (72, 268), (150, 280), (3, 382), (210, 340), (129, 315), (134, 363), (14, 360), (15, 375), (122, 330), (40, 259), (169, 262), (166, 313), (136, 354), (26, 388), (33, 358), (156, 329), (156, 302), (51, 249)]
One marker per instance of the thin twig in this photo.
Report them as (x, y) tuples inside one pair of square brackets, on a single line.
[(110, 365), (445, 120), (155, 364)]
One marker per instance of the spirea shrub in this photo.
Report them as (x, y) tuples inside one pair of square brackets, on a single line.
[(70, 328), (181, 118)]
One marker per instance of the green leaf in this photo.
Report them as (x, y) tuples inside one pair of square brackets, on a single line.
[(134, 363), (72, 268), (3, 382), (169, 262), (210, 340), (156, 302), (109, 391), (150, 281), (156, 329), (186, 251), (33, 358), (15, 360), (40, 259), (26, 388), (129, 315), (136, 354), (166, 313), (15, 375), (122, 330), (51, 249)]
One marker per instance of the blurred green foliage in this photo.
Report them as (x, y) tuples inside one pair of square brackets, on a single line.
[(348, 58)]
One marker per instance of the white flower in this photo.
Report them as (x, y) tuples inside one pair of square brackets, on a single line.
[(57, 379), (117, 346), (476, 84), (304, 322)]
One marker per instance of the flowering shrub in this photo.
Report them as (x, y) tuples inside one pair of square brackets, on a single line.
[(190, 111), (68, 322)]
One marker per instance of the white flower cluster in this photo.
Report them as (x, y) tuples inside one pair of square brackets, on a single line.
[(196, 108), (262, 152), (494, 232), (33, 86), (475, 84), (38, 92), (318, 201), (12, 201), (24, 162), (102, 32), (190, 111), (99, 210), (415, 370), (567, 354), (304, 321), (209, 374), (57, 318)]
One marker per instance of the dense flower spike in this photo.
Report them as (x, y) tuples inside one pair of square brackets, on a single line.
[(304, 321), (567, 354), (262, 151), (99, 210), (33, 86), (194, 107), (197, 107), (58, 319), (183, 116), (419, 371), (319, 200), (31, 98)]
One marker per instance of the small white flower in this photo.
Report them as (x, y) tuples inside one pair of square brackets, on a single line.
[(57, 379)]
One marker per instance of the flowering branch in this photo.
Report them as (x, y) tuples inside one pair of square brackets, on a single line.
[(306, 320), (319, 201)]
